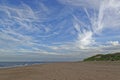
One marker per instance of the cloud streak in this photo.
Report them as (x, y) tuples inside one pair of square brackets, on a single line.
[(78, 26), (23, 27), (99, 19)]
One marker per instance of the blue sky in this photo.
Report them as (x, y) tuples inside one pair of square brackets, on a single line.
[(44, 30)]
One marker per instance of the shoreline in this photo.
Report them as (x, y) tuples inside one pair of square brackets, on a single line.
[(34, 63), (52, 63)]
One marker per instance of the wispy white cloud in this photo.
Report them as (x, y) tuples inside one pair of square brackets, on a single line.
[(103, 17), (85, 39), (20, 25), (20, 21), (15, 21), (113, 43), (81, 3)]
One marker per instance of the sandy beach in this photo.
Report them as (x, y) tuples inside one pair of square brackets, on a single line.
[(64, 71)]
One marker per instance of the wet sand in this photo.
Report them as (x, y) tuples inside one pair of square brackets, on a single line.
[(64, 71)]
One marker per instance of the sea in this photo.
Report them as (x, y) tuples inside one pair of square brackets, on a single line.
[(18, 64)]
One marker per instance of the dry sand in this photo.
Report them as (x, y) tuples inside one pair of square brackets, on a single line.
[(64, 71)]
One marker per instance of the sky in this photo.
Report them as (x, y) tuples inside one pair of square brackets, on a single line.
[(58, 30)]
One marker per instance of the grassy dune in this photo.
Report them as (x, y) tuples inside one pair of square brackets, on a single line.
[(104, 57)]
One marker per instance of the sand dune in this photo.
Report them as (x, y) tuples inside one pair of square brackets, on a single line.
[(64, 71)]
